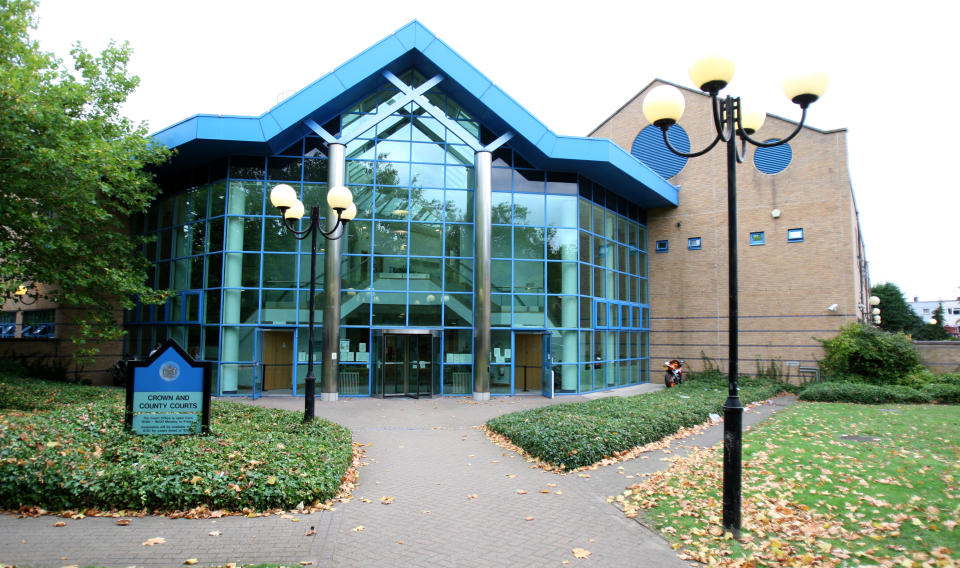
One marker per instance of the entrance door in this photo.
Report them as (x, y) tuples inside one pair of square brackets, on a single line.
[(528, 362), (406, 364), (277, 357)]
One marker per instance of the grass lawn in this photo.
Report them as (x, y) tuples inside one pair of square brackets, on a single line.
[(823, 485), (64, 447)]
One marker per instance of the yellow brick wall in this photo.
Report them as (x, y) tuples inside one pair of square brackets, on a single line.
[(785, 288)]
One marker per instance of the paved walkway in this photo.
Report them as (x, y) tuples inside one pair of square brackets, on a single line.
[(455, 502)]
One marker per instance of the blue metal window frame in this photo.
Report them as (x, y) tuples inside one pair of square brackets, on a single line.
[(663, 246), (756, 242), (793, 236), (694, 243)]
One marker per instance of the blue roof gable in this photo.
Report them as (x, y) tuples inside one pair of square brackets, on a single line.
[(203, 137)]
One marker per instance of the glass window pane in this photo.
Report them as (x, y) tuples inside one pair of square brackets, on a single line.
[(354, 308), (355, 271), (528, 277), (393, 151), (562, 244), (458, 276), (528, 311), (389, 309), (276, 237), (459, 240), (359, 172), (215, 238), (562, 278), (501, 209), (500, 279), (458, 177), (251, 233), (393, 203), (278, 307), (390, 238), (459, 206), (528, 242), (425, 274), (248, 167), (280, 271), (425, 309), (358, 237), (428, 129), (562, 211), (459, 155), (500, 239), (457, 309), (426, 205), (531, 181), (363, 199), (389, 273), (284, 168), (315, 169), (500, 309), (393, 173), (426, 175), (426, 239), (500, 179), (396, 127), (528, 209)]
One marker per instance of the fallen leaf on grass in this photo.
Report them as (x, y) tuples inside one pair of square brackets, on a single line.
[(581, 553), (153, 541)]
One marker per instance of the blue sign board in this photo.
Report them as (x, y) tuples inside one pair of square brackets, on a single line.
[(169, 393)]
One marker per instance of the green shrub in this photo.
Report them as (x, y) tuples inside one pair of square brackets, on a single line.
[(948, 378), (865, 354), (861, 393), (942, 392), (74, 453), (582, 433)]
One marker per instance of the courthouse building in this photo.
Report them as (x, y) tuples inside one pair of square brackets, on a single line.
[(489, 255)]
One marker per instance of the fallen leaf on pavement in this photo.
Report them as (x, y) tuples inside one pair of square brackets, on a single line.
[(473, 496), (190, 561), (386, 500), (154, 540), (528, 518), (123, 522), (358, 528), (310, 532), (59, 524), (215, 533), (581, 553)]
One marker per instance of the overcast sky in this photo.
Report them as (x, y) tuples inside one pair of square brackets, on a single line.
[(572, 64)]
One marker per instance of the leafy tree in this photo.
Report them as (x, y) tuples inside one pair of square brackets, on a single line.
[(895, 314), (934, 331), (71, 172)]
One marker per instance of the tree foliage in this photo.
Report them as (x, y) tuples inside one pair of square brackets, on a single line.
[(71, 172), (895, 314), (865, 354), (934, 331)]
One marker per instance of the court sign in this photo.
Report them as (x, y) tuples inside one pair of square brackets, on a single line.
[(168, 393)]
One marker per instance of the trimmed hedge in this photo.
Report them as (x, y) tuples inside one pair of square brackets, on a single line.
[(944, 393), (582, 433), (73, 452), (861, 393)]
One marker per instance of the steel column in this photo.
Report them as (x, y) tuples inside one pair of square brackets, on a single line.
[(481, 276), (333, 258)]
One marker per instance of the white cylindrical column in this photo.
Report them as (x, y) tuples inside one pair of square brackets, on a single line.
[(482, 199), (232, 282), (569, 302), (332, 261)]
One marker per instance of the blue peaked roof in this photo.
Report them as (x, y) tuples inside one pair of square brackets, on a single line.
[(204, 137)]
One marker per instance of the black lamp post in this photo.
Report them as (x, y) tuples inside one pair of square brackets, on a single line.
[(339, 198), (663, 107)]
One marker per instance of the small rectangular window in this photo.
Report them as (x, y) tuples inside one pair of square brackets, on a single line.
[(38, 323), (693, 243), (756, 238), (663, 246), (794, 235)]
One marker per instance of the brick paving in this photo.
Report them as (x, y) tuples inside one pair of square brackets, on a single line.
[(455, 503)]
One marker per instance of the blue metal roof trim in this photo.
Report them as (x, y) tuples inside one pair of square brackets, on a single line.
[(414, 44)]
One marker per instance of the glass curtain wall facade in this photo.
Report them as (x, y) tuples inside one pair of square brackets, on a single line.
[(569, 261)]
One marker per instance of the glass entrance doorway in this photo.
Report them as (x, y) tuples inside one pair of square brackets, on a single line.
[(405, 363)]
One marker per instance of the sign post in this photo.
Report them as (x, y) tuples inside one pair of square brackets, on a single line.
[(168, 393)]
